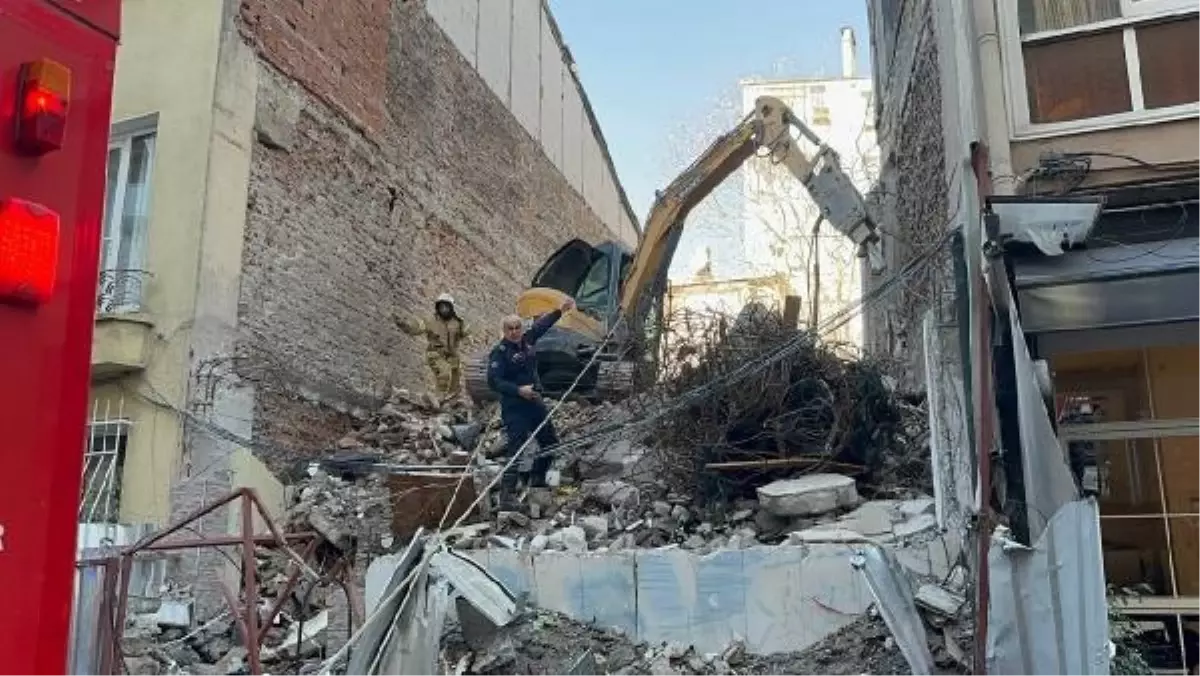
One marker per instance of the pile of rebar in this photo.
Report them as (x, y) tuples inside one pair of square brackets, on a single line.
[(817, 406)]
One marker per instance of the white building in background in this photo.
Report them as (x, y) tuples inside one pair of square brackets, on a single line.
[(780, 215)]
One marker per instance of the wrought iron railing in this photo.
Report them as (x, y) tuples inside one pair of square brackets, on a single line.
[(121, 291)]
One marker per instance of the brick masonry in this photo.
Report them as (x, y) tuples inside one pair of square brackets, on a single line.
[(910, 200), (337, 50), (372, 192)]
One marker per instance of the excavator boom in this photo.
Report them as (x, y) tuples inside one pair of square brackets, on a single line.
[(767, 128), (589, 349)]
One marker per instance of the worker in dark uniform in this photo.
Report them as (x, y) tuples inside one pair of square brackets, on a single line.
[(512, 374)]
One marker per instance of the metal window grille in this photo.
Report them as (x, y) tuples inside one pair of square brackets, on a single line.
[(104, 460)]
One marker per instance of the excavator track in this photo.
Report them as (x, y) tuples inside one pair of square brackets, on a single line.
[(614, 380)]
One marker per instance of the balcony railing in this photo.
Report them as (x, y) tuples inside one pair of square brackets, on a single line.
[(121, 291)]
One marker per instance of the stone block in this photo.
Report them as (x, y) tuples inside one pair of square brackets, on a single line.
[(808, 495)]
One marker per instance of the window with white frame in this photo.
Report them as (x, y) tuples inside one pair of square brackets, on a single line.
[(126, 216), (1080, 64), (104, 462)]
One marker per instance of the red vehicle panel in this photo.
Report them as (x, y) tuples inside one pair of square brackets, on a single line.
[(46, 348)]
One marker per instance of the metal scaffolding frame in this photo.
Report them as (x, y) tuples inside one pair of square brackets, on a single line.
[(118, 568)]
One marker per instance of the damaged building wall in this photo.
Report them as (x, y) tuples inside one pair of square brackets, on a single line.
[(910, 199), (400, 177)]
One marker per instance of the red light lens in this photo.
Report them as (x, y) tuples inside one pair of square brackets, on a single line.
[(28, 251), (42, 101), (42, 123)]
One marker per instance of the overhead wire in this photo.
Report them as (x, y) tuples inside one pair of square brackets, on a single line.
[(837, 320), (407, 585)]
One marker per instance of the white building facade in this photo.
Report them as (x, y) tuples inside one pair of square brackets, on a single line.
[(779, 237)]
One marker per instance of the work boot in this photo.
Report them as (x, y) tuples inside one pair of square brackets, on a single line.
[(508, 492), (541, 466)]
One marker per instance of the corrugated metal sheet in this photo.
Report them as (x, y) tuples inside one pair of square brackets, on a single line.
[(1047, 476), (1048, 612), (894, 598)]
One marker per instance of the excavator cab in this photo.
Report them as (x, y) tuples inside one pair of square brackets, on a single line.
[(592, 275)]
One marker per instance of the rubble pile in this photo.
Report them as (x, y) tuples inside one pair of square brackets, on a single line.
[(613, 515), (410, 430), (542, 642), (164, 641)]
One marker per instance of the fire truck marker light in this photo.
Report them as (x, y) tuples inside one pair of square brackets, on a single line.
[(44, 96), (28, 251)]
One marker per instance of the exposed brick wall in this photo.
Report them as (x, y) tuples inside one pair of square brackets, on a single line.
[(450, 194), (338, 50), (911, 199)]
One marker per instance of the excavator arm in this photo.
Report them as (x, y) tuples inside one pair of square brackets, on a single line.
[(767, 128)]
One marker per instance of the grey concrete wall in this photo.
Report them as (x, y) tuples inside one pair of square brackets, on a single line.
[(519, 52), (777, 599)]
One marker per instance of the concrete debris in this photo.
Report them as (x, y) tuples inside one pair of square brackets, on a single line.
[(543, 642), (610, 492), (940, 600), (546, 642), (881, 521), (808, 495), (171, 640)]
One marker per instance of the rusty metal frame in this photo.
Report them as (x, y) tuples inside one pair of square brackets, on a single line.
[(119, 566)]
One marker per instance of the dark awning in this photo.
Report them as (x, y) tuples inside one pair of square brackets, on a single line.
[(1136, 284)]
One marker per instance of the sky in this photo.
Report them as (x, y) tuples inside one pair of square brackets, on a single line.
[(656, 70)]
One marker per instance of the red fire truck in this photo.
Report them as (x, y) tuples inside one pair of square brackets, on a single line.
[(57, 59)]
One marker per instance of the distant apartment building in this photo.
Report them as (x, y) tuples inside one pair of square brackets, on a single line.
[(781, 230)]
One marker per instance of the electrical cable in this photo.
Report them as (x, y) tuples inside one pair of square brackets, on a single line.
[(407, 585), (774, 356)]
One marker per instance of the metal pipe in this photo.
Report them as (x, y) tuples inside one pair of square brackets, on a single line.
[(250, 582), (981, 360), (995, 107), (122, 602), (109, 644), (196, 515), (288, 587)]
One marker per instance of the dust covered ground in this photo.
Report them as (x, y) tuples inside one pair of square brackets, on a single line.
[(547, 643)]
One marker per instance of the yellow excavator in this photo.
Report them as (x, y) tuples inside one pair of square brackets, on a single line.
[(618, 292)]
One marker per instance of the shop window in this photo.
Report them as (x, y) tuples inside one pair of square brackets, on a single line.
[(1128, 420)]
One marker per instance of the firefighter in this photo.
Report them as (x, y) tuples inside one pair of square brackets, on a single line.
[(512, 374), (444, 334)]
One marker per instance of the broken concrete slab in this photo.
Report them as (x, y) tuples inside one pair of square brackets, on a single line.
[(824, 534), (940, 600), (593, 526), (808, 495), (612, 493), (615, 460), (916, 507), (915, 526), (874, 518), (571, 539)]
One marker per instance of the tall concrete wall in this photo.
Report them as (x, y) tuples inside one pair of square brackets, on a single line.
[(518, 51), (374, 191)]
